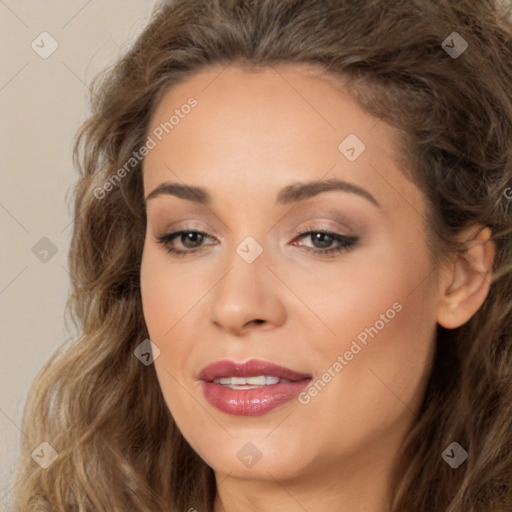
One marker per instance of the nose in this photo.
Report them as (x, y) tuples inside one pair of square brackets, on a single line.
[(248, 297)]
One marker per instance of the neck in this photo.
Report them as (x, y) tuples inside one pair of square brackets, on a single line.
[(361, 486)]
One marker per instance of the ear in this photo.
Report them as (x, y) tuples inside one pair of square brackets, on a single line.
[(466, 278)]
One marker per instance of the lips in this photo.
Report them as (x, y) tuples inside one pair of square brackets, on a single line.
[(252, 368), (256, 400)]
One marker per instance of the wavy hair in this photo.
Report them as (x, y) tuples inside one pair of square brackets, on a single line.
[(118, 447)]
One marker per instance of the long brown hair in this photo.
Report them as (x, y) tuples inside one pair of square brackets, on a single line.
[(102, 410)]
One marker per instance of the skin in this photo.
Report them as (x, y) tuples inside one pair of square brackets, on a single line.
[(251, 134)]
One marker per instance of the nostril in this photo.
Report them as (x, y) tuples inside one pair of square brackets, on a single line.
[(256, 321)]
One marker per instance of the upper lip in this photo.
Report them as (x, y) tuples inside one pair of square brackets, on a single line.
[(252, 368)]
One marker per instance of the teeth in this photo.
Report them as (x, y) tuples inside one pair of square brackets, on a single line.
[(249, 382)]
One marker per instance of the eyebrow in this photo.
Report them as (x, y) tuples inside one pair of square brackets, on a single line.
[(290, 194)]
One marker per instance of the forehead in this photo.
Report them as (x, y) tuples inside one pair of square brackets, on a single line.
[(287, 103), (266, 128)]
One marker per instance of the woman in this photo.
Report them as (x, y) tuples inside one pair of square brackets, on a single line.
[(291, 264)]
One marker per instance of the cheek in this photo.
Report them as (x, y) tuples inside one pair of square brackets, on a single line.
[(163, 307), (382, 288), (383, 316), (167, 291)]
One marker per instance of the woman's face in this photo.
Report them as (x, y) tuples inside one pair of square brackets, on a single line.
[(353, 311)]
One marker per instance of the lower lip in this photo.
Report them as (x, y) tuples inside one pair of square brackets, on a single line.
[(252, 402)]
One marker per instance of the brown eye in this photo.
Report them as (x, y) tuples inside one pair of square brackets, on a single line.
[(192, 240), (322, 242), (189, 239)]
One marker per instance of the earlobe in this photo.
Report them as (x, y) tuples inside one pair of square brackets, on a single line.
[(467, 280)]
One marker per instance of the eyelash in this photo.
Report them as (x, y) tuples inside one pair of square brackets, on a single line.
[(346, 243)]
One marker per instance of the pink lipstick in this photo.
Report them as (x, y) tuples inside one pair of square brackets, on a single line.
[(251, 388)]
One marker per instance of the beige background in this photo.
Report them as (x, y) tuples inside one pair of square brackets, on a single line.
[(42, 103)]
